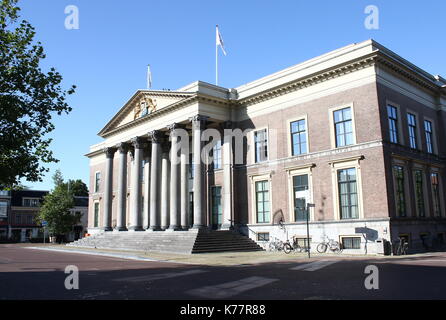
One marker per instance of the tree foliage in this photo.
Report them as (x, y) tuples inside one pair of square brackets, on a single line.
[(29, 98), (56, 207)]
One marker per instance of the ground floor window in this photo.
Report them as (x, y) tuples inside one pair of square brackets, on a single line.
[(96, 214), (300, 189), (419, 194), (398, 172), (303, 242), (351, 242), (348, 193), (436, 194), (262, 201), (217, 212)]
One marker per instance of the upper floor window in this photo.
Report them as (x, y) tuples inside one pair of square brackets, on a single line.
[(429, 136), (412, 124), (97, 181), (299, 137), (216, 155), (343, 127), (3, 209), (261, 145), (30, 202), (392, 113)]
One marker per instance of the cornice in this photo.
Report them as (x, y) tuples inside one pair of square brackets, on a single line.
[(310, 80)]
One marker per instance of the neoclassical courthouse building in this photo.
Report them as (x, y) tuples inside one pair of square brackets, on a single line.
[(359, 132)]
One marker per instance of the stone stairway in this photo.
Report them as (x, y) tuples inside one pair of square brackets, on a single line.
[(184, 242)]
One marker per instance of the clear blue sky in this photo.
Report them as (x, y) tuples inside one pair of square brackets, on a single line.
[(107, 57)]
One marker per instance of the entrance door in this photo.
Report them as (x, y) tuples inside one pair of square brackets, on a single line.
[(217, 212), (301, 194)]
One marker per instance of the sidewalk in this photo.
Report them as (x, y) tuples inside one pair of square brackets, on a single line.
[(210, 259)]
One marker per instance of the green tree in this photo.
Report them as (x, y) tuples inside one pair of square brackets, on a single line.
[(56, 206), (29, 98)]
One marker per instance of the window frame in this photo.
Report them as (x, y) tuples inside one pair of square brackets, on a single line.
[(416, 131), (396, 124), (424, 192), (350, 237), (395, 184), (298, 171), (331, 112), (290, 135), (96, 220), (31, 199), (97, 182), (253, 180), (346, 164), (254, 132), (213, 196)]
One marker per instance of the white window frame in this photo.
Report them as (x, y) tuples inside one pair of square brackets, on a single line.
[(30, 198), (253, 139), (331, 112), (290, 141), (299, 171), (253, 180), (340, 165)]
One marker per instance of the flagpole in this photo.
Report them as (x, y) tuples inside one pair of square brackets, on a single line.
[(216, 56)]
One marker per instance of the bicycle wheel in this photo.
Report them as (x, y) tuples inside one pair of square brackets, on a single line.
[(287, 248), (321, 247)]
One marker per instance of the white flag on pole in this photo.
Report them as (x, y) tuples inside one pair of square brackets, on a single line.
[(149, 77), (219, 41)]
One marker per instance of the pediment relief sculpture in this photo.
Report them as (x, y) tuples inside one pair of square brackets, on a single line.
[(144, 107)]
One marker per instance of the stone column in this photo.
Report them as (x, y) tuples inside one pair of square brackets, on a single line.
[(184, 181), (198, 124), (155, 180), (165, 186), (174, 177), (227, 176), (122, 188), (108, 188), (135, 193), (146, 192)]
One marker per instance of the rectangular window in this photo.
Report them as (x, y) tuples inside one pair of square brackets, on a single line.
[(343, 127), (29, 219), (96, 214), (30, 203), (351, 242), (263, 236), (436, 193), (348, 194), (3, 209), (217, 213), (412, 125), (300, 188), (18, 219), (419, 194), (191, 165), (302, 242), (262, 201), (429, 136), (392, 113), (97, 181), (191, 208), (398, 172), (299, 137), (261, 145), (216, 155)]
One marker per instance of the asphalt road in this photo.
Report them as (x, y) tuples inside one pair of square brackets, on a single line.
[(35, 274)]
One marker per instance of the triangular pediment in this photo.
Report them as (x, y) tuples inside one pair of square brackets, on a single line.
[(143, 103)]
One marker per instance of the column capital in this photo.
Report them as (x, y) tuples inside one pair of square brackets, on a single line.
[(198, 120), (109, 152), (138, 142), (174, 126), (227, 124), (122, 147), (156, 136)]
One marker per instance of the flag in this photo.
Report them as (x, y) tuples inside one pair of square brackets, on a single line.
[(149, 77), (219, 41)]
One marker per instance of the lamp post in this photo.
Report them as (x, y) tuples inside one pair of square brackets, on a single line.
[(309, 205)]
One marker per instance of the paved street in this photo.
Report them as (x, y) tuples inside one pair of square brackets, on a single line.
[(34, 274)]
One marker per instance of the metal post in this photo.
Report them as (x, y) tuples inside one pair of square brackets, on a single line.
[(309, 205)]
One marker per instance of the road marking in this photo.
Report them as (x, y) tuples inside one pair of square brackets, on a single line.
[(229, 289), (313, 266), (160, 276)]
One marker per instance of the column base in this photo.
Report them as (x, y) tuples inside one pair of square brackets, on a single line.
[(154, 228), (107, 229), (199, 226), (121, 229), (136, 228), (174, 228), (226, 227)]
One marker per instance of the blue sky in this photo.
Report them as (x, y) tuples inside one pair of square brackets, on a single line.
[(107, 57)]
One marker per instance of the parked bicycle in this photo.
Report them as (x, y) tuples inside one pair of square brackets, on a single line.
[(332, 245), (276, 245), (288, 247)]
